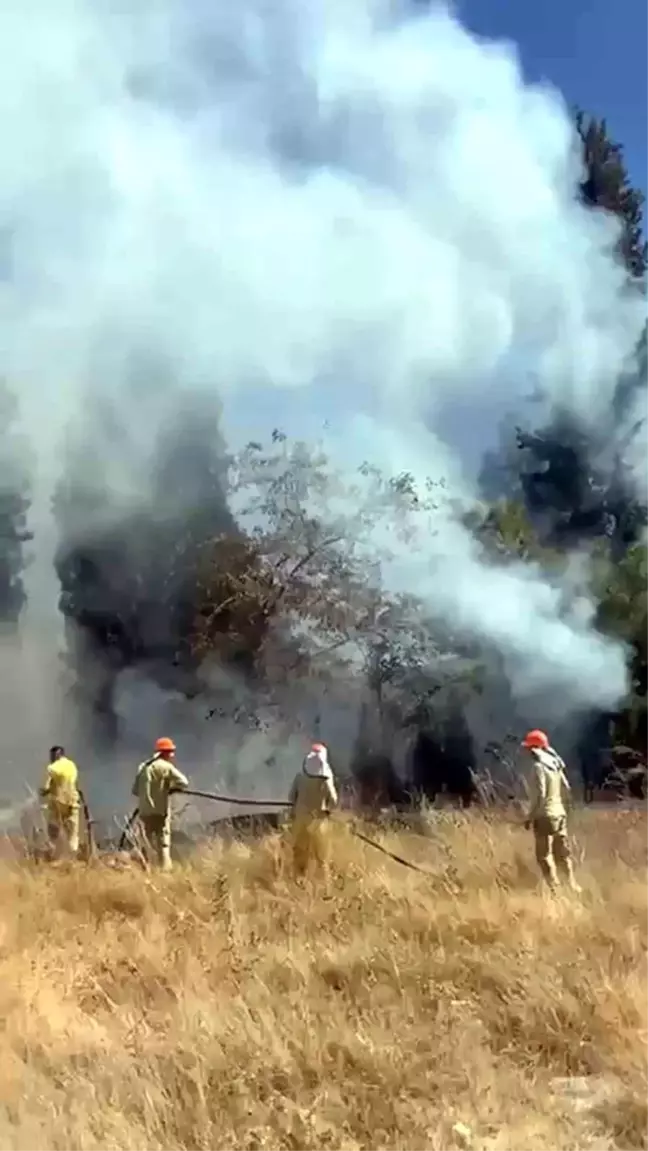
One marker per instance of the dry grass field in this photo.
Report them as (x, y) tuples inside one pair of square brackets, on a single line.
[(228, 1006)]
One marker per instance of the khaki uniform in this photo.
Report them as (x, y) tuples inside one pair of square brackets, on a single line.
[(550, 792), (313, 796), (61, 795), (154, 780)]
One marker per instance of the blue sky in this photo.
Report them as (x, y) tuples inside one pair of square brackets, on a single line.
[(595, 51)]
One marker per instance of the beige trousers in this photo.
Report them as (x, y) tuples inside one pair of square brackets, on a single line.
[(63, 828), (310, 843), (157, 839), (552, 849)]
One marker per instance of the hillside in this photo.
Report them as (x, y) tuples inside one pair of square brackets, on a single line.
[(226, 1006)]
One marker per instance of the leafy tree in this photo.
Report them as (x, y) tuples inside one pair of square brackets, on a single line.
[(304, 596), (302, 587)]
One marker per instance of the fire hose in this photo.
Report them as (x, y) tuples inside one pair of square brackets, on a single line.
[(203, 795), (392, 854), (232, 799), (268, 803)]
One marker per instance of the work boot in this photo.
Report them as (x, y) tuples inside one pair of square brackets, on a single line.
[(570, 878), (549, 874), (565, 872)]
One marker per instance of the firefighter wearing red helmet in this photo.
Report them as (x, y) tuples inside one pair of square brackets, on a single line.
[(550, 793), (155, 780)]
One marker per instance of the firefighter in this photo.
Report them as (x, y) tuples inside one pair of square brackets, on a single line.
[(313, 796), (155, 779), (550, 792), (62, 801)]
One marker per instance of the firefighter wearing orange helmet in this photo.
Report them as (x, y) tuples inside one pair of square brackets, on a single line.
[(550, 793), (155, 780)]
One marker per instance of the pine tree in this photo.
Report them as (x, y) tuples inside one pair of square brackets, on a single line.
[(606, 185), (568, 498)]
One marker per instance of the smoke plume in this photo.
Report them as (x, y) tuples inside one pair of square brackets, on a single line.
[(313, 212)]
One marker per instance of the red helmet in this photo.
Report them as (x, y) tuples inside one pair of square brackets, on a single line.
[(536, 738), (164, 744)]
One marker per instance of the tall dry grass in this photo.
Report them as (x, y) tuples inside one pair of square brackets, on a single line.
[(226, 1006)]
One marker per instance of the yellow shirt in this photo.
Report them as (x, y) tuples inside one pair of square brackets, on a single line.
[(61, 782)]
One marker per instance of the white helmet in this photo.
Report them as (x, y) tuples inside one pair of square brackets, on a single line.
[(316, 762)]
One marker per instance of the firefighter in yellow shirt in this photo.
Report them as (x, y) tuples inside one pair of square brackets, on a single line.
[(62, 799), (155, 779), (550, 793)]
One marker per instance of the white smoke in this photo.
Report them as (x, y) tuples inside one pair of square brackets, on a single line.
[(324, 211)]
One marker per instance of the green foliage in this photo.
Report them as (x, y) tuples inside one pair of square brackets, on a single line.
[(507, 533), (623, 612), (622, 590), (607, 185)]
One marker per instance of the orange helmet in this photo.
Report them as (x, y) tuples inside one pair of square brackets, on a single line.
[(164, 744), (536, 738)]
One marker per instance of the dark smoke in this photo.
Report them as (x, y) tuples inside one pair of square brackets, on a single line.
[(129, 581), (15, 502)]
